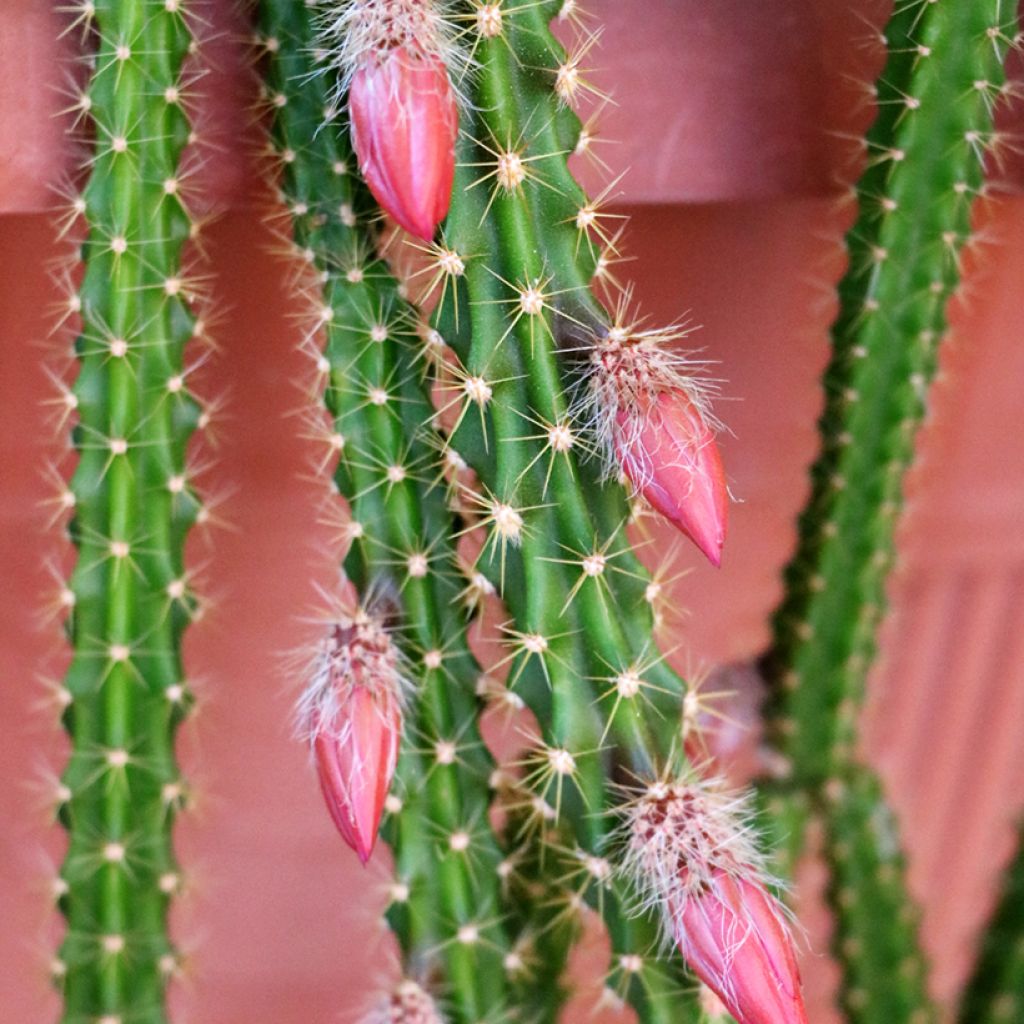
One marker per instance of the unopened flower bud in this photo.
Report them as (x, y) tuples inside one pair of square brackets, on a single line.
[(669, 454), (352, 715), (648, 404), (691, 858), (404, 124)]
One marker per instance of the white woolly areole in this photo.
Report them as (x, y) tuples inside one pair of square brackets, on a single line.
[(354, 33), (677, 834)]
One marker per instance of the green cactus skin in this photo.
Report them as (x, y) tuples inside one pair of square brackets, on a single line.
[(133, 507), (924, 166), (876, 925), (925, 156), (583, 629), (450, 892), (995, 991)]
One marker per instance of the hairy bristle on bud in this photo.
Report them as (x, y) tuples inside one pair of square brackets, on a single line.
[(396, 62), (407, 1003)]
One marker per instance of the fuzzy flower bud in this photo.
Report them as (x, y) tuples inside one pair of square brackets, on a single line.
[(407, 1003), (351, 714), (395, 59), (404, 123), (690, 857), (654, 424)]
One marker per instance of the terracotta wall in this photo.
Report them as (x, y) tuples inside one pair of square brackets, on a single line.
[(731, 115)]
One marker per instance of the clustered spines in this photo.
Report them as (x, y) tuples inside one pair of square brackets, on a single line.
[(628, 366), (356, 649), (130, 592), (678, 831), (407, 1003), (354, 33)]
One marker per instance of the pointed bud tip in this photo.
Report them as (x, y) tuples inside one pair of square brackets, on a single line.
[(709, 546)]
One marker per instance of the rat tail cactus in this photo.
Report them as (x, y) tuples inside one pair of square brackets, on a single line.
[(130, 596), (495, 418)]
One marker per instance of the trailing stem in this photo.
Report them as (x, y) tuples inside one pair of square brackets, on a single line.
[(133, 504), (445, 907)]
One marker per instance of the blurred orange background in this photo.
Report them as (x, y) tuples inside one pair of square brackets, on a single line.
[(736, 120)]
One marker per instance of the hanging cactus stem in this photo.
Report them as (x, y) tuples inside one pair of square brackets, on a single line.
[(133, 507)]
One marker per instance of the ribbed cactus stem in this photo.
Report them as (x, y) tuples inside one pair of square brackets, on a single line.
[(581, 653), (924, 165), (402, 548), (133, 506), (995, 991), (925, 154), (875, 936)]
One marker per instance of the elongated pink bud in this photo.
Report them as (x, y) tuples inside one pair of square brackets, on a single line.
[(404, 123), (690, 856), (670, 456), (733, 938), (651, 413), (352, 715)]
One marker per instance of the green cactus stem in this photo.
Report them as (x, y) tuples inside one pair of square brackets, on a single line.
[(925, 154), (875, 923), (133, 506), (581, 652), (995, 991), (447, 911)]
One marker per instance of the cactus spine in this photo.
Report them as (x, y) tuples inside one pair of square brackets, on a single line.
[(133, 505)]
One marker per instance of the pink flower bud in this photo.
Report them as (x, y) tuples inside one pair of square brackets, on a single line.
[(670, 456), (651, 414), (404, 124), (352, 715), (690, 856), (733, 938)]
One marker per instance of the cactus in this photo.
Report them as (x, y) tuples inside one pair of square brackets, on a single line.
[(924, 155), (133, 505), (876, 924), (581, 653), (447, 886), (483, 455), (995, 991)]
